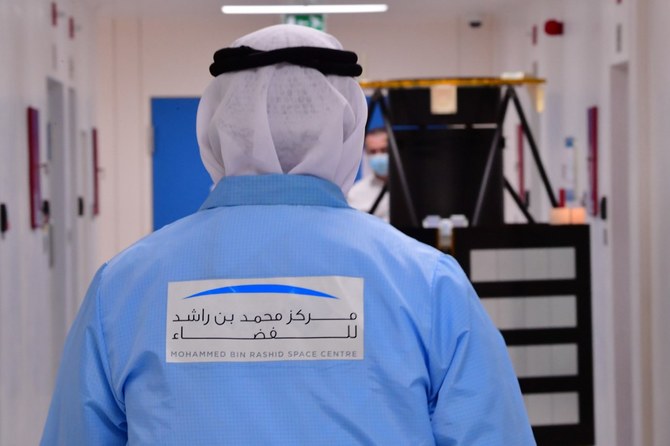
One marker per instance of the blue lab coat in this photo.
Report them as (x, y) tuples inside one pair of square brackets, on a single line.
[(434, 370)]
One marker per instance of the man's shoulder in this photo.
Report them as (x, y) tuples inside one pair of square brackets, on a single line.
[(168, 240), (388, 237)]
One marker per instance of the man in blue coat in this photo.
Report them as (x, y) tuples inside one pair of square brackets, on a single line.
[(277, 314)]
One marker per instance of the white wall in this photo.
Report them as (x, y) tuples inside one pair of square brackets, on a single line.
[(659, 81), (33, 317)]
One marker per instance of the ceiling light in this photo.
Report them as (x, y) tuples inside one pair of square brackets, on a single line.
[(302, 9)]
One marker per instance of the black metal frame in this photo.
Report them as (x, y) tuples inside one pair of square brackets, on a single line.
[(545, 236), (377, 99)]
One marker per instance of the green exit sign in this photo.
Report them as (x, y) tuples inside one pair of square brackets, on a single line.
[(316, 21)]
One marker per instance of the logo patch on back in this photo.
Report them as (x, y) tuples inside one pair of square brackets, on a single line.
[(275, 319)]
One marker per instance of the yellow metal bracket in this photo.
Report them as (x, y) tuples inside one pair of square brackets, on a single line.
[(455, 81)]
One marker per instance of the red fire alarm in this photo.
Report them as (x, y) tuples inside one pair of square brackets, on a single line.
[(553, 28)]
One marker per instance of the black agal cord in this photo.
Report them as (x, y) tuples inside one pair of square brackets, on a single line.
[(325, 60)]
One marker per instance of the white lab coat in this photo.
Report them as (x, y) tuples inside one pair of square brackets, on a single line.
[(364, 193)]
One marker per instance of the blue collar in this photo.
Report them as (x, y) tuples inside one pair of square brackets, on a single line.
[(275, 189)]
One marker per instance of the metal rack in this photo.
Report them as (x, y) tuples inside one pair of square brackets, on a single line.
[(511, 279), (377, 100)]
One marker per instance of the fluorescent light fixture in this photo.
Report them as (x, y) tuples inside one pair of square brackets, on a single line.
[(302, 9)]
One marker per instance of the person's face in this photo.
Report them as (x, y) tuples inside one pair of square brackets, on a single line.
[(376, 143), (376, 146)]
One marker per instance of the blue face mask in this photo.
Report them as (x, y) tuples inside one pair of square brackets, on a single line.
[(379, 164)]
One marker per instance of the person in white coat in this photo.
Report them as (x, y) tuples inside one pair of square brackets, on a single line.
[(366, 194)]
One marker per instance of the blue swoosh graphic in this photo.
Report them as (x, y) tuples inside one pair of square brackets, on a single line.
[(262, 288)]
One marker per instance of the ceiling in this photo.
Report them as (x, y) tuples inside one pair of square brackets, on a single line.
[(415, 9)]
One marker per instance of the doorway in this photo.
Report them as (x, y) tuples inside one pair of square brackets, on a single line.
[(180, 181), (620, 214), (60, 218)]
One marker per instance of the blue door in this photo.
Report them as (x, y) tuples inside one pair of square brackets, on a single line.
[(180, 181)]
